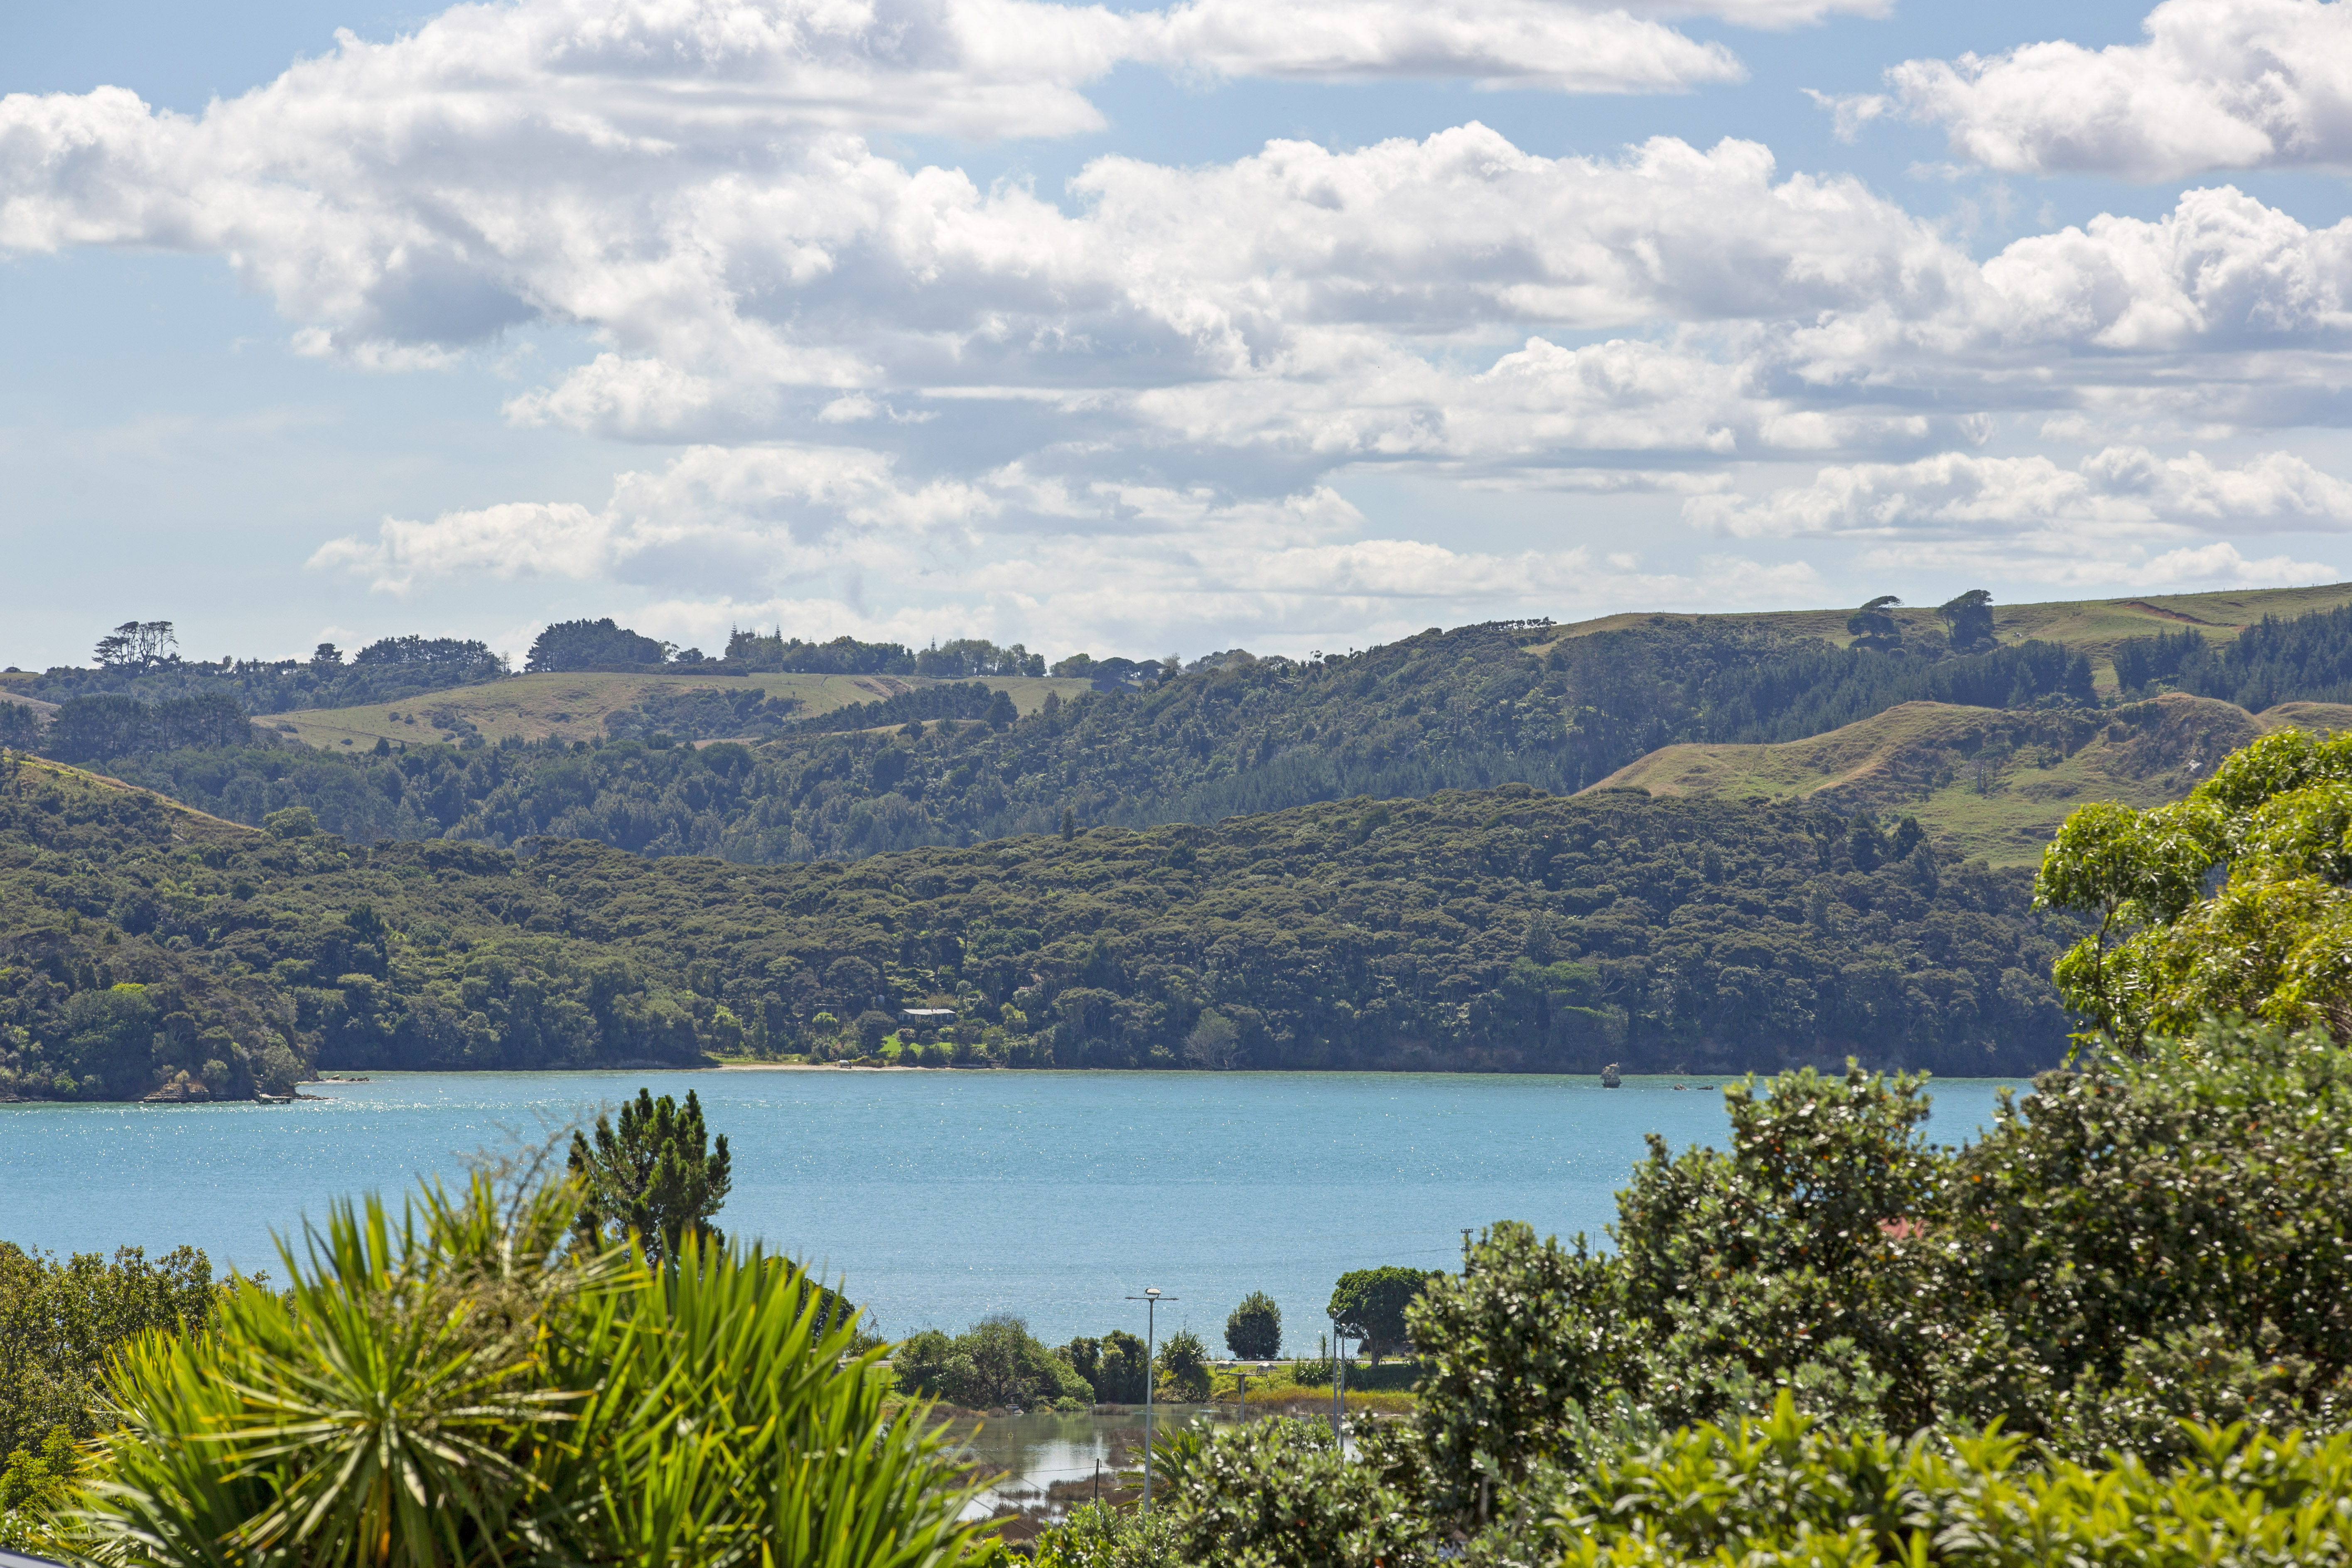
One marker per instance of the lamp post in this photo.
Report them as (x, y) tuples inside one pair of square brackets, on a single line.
[(1151, 1298), (1338, 1379)]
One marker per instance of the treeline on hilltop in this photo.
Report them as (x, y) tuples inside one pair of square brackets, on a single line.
[(141, 660), (1498, 930), (1470, 709)]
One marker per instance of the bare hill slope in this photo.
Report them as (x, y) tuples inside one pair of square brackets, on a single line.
[(1998, 783), (578, 706)]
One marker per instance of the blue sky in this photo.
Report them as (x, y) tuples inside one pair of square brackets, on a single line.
[(1166, 330)]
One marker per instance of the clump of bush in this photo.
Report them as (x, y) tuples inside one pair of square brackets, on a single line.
[(995, 1364)]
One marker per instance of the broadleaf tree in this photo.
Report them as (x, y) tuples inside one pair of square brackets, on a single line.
[(1369, 1304), (2235, 900)]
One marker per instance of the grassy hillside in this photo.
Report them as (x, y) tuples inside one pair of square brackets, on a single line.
[(144, 949), (1998, 784), (578, 707), (2093, 626)]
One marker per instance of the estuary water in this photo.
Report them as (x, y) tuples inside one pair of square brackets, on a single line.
[(942, 1196)]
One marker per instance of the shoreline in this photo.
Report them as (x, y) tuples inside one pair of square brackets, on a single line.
[(831, 1067)]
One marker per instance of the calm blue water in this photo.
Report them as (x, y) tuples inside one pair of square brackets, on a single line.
[(944, 1196)]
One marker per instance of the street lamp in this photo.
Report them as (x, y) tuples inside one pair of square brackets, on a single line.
[(1338, 1379), (1151, 1298)]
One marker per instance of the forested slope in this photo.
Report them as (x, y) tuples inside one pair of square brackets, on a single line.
[(1475, 930)]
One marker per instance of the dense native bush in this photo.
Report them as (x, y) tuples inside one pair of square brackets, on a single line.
[(1504, 929)]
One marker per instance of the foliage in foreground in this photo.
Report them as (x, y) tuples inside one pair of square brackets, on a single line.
[(449, 1385), (1782, 1490), (60, 1319), (1787, 1490), (2145, 1257), (2273, 939)]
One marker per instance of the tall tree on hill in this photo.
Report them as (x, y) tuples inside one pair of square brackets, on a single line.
[(655, 1177), (1872, 628), (138, 645), (1970, 616)]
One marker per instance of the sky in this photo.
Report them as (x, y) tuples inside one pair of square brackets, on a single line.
[(1148, 329)]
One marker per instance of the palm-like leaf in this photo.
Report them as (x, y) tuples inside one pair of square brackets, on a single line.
[(453, 1389)]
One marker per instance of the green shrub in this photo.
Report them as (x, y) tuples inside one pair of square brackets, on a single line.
[(1098, 1535), (1785, 1490), (1183, 1368), (2154, 1239), (1278, 1494), (1112, 1366)]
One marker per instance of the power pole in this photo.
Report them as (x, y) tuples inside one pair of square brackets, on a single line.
[(1151, 1298)]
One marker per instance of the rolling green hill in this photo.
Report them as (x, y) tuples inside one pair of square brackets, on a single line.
[(1996, 784)]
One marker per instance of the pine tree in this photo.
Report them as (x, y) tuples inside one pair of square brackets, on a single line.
[(652, 1178)]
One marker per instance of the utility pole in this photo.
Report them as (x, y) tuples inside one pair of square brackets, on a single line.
[(1151, 1298)]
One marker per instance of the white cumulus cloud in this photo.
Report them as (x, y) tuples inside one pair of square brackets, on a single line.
[(2219, 84)]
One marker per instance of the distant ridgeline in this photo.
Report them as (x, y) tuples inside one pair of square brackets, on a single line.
[(1472, 708), (1499, 929), (1468, 709)]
